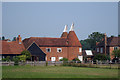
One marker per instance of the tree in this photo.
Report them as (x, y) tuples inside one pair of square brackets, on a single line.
[(85, 44), (119, 35), (116, 53), (3, 38), (27, 54), (93, 38), (90, 42), (14, 39)]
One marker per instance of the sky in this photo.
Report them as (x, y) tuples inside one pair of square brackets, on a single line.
[(47, 19)]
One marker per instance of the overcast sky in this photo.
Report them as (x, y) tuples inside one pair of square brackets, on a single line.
[(48, 19)]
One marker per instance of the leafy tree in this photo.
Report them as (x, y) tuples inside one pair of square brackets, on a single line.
[(101, 57), (93, 38), (27, 53), (85, 44), (118, 35), (14, 39), (90, 42), (112, 36), (3, 38), (116, 53), (0, 38)]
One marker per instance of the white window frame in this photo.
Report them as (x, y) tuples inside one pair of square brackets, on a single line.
[(60, 58), (97, 49), (52, 58), (59, 49), (101, 50), (47, 49), (80, 49)]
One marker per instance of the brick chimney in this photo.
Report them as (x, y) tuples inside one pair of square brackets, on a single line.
[(105, 43), (18, 39)]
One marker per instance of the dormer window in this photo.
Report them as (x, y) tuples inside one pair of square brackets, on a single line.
[(59, 49), (48, 49)]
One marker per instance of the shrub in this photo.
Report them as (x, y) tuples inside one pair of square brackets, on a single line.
[(16, 60), (64, 59), (101, 57), (75, 59)]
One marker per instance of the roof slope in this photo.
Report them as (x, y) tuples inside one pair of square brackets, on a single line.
[(111, 41), (73, 40), (11, 47), (45, 42)]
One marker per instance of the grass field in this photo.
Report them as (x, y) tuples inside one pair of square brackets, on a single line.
[(56, 72)]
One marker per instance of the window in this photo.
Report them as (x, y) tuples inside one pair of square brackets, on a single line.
[(97, 49), (101, 50), (115, 48), (53, 58), (80, 49), (60, 58), (48, 49), (59, 49)]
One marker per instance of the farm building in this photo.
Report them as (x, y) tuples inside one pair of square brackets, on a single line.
[(45, 48), (107, 45)]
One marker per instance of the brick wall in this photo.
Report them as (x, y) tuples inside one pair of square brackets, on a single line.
[(67, 52)]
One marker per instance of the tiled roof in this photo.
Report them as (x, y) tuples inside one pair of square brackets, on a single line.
[(73, 40), (12, 47), (45, 42), (64, 35), (111, 41)]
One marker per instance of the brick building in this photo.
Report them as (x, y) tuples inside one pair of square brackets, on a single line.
[(107, 45), (50, 49)]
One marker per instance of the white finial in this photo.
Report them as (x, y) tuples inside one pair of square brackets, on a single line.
[(72, 27), (65, 29)]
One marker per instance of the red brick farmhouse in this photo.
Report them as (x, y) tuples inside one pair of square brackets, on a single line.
[(45, 48)]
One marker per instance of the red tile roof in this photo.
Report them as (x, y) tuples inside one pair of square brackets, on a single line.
[(12, 47), (45, 42), (111, 41), (73, 40), (64, 35)]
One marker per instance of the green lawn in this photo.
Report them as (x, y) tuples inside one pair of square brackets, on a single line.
[(56, 72)]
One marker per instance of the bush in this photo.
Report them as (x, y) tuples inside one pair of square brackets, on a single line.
[(101, 57), (16, 60), (6, 59), (75, 59), (64, 59)]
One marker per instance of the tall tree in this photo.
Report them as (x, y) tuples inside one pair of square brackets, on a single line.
[(3, 38), (93, 38), (90, 42), (14, 39)]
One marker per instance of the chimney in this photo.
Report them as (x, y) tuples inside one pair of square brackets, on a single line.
[(105, 43), (18, 39)]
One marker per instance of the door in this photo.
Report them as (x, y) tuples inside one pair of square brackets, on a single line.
[(53, 58), (80, 58)]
